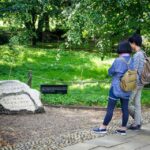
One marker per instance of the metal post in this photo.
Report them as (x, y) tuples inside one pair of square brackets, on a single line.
[(29, 82)]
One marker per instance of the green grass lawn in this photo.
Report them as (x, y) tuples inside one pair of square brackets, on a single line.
[(51, 65)]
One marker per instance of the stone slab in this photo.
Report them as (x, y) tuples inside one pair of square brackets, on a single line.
[(80, 146), (108, 141), (138, 140), (134, 140), (146, 147)]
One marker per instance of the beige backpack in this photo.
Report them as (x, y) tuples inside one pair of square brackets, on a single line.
[(145, 77), (129, 80)]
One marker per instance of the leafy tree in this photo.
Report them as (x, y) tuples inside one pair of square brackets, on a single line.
[(32, 17), (104, 22), (107, 21)]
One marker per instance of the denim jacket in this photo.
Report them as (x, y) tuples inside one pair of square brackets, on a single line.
[(117, 70)]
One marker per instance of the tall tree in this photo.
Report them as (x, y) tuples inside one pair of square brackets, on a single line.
[(107, 21), (32, 17)]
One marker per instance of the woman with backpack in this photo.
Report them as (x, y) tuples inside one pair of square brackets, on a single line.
[(117, 70)]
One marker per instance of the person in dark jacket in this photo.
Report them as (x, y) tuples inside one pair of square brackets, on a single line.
[(117, 70)]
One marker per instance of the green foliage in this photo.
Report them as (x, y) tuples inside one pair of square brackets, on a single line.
[(145, 98), (11, 53), (104, 22), (30, 18), (107, 22)]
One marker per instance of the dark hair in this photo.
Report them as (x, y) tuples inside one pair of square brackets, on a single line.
[(124, 47), (136, 38)]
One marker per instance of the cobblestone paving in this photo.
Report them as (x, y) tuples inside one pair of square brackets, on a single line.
[(53, 130)]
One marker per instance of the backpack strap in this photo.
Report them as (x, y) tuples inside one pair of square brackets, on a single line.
[(144, 53), (123, 59)]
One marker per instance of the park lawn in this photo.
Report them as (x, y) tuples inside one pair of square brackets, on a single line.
[(51, 65)]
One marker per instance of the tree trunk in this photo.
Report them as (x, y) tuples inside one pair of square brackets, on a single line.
[(33, 41), (40, 29), (46, 20), (43, 22), (33, 38)]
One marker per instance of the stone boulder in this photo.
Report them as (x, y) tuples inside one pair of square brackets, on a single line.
[(16, 97)]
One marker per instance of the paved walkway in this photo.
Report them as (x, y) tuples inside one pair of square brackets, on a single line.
[(134, 140)]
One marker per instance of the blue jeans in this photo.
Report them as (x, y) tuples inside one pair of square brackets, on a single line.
[(112, 101)]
